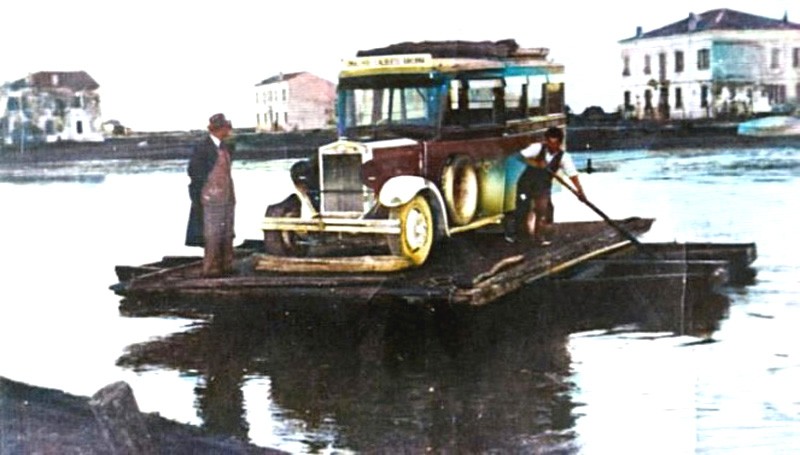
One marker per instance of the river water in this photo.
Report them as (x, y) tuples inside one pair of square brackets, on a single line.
[(539, 372)]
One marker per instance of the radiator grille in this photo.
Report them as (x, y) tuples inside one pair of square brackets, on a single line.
[(341, 185)]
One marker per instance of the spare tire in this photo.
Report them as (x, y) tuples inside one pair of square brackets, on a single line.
[(460, 189)]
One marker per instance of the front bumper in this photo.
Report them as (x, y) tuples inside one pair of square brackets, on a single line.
[(337, 225)]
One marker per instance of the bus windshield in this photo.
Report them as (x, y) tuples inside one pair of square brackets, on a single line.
[(389, 110)]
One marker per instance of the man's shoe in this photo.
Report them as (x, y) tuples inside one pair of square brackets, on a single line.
[(510, 238)]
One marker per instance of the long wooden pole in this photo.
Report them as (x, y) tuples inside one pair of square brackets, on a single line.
[(625, 233)]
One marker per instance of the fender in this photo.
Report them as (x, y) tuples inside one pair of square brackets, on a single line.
[(401, 189), (307, 210)]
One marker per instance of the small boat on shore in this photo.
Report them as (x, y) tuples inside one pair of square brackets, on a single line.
[(772, 126)]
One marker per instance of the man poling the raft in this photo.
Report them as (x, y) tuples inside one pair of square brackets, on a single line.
[(534, 191), (535, 184)]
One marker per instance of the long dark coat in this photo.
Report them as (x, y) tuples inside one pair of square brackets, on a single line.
[(200, 164)]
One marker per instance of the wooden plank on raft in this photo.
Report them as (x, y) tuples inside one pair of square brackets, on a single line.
[(525, 272)]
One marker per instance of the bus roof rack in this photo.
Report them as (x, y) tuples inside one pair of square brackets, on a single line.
[(503, 49)]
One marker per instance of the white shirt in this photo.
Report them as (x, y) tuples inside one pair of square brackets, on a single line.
[(567, 165), (215, 140)]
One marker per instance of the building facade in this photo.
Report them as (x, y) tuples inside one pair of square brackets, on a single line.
[(721, 63), (51, 106), (294, 101)]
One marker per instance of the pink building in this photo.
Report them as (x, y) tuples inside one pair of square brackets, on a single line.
[(294, 101)]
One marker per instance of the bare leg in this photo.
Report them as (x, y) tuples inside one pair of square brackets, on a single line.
[(541, 207)]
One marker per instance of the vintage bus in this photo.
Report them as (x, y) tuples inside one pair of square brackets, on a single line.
[(428, 133)]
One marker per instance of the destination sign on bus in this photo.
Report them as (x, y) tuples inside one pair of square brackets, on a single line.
[(389, 61)]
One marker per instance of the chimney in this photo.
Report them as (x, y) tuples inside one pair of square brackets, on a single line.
[(691, 23), (785, 17), (639, 31)]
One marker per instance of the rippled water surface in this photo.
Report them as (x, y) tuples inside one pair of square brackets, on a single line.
[(538, 372)]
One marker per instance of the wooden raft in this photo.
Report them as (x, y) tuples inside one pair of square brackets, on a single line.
[(473, 269)]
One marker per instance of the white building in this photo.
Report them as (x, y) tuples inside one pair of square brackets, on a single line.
[(715, 64), (294, 101)]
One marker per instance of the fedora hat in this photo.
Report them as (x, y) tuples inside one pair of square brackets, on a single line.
[(218, 121)]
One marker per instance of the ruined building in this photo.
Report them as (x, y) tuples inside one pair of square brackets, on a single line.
[(50, 106)]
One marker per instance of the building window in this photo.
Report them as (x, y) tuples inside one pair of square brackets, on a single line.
[(285, 118), (776, 93), (646, 64), (678, 61), (626, 66), (796, 57), (703, 59), (678, 98), (775, 61), (704, 96), (662, 66), (283, 95)]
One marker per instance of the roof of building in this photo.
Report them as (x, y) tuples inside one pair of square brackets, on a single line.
[(280, 77), (73, 80), (719, 19)]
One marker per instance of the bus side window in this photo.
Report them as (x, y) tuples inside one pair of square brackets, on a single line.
[(448, 111), (499, 105), (552, 98), (523, 101), (516, 97), (486, 102), (463, 104), (457, 104)]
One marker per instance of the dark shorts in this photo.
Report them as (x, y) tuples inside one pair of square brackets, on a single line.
[(534, 182)]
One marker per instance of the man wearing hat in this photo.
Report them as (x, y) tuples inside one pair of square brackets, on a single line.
[(213, 200)]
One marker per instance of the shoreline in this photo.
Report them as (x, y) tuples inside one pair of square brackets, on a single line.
[(667, 137), (581, 137), (165, 146)]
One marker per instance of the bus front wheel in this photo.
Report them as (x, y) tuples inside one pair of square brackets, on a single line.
[(416, 230)]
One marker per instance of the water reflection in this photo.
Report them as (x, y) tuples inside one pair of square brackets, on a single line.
[(383, 375)]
